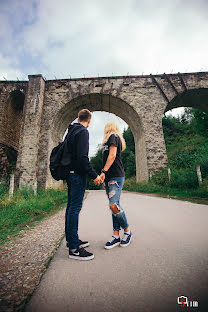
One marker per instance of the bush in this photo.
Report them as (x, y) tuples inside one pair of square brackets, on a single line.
[(161, 177), (202, 191), (204, 167), (150, 187), (184, 179), (185, 158), (131, 168), (144, 187)]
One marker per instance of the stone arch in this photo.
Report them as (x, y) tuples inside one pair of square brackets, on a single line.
[(140, 100), (11, 126), (14, 116), (108, 103), (196, 98)]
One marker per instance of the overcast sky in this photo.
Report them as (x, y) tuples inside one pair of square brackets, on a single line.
[(63, 38)]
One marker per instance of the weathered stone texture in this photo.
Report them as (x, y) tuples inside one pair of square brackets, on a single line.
[(139, 100), (10, 116), (29, 142)]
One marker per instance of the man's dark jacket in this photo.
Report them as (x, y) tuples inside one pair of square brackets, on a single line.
[(78, 145)]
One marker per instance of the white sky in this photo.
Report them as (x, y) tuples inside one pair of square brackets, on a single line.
[(96, 37), (98, 121)]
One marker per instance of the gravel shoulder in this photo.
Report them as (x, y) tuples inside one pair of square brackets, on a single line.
[(25, 259)]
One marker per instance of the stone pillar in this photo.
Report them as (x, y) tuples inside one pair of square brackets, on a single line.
[(155, 145), (29, 138), (140, 153)]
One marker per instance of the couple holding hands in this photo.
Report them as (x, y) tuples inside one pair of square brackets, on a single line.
[(112, 175)]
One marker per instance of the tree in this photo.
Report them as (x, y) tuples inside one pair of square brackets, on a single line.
[(131, 168), (97, 162), (187, 116), (200, 122), (129, 138)]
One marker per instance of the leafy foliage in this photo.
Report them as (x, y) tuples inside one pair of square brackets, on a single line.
[(200, 122), (97, 161), (186, 145), (128, 155), (150, 187)]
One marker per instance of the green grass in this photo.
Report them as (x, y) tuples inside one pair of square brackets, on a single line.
[(188, 151), (24, 209), (166, 189), (184, 153)]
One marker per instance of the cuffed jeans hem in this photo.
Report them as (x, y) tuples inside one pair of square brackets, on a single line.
[(125, 226), (73, 246)]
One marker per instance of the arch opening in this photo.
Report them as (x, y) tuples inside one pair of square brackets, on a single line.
[(9, 144), (196, 98), (185, 134), (94, 102), (104, 103), (14, 115), (96, 128), (17, 99)]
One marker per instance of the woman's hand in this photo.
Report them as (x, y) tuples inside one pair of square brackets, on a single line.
[(102, 176), (97, 180)]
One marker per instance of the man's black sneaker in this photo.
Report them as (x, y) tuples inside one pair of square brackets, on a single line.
[(82, 244), (81, 254)]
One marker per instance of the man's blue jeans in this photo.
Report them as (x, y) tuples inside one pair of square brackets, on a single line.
[(113, 190), (76, 189)]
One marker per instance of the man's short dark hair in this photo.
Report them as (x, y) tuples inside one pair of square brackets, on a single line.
[(84, 115)]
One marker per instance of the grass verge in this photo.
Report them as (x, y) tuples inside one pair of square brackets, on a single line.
[(199, 194), (24, 209)]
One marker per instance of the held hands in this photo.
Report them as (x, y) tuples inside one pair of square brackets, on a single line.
[(102, 176), (98, 180)]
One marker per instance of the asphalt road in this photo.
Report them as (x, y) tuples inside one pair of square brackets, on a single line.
[(168, 258)]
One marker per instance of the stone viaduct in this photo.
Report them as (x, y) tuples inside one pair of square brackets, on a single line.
[(34, 115)]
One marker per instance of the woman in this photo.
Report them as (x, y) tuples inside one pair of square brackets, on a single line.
[(113, 174)]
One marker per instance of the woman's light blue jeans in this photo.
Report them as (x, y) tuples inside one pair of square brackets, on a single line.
[(113, 190)]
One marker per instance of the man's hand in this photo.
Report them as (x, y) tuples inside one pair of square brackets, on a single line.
[(102, 176), (98, 180)]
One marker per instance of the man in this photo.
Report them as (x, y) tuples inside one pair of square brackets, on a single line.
[(78, 140)]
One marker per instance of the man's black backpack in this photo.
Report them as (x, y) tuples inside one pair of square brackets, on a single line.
[(61, 160)]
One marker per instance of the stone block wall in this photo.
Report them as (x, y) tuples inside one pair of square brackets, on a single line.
[(10, 116), (51, 105), (30, 132), (10, 125)]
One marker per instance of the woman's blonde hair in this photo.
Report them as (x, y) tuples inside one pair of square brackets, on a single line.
[(112, 128)]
